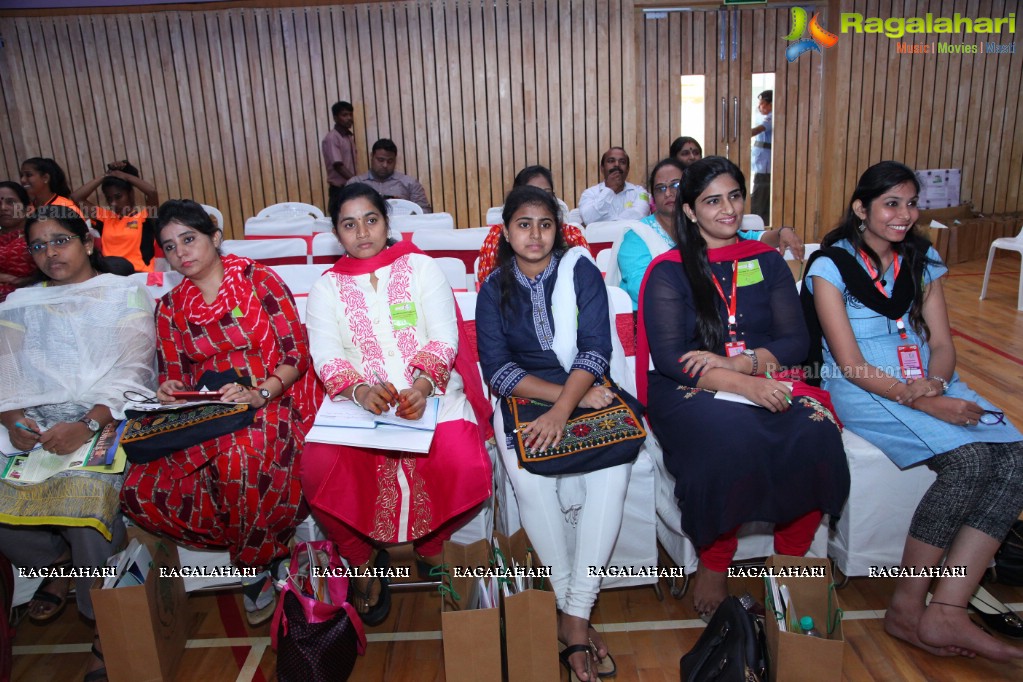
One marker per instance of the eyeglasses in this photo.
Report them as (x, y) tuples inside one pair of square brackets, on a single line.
[(663, 189), (991, 417), (57, 242)]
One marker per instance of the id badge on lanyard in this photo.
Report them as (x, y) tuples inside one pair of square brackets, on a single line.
[(734, 346), (910, 362)]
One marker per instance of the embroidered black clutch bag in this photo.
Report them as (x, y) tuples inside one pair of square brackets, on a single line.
[(594, 438)]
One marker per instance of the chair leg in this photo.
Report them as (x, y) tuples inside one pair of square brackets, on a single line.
[(1019, 297), (987, 271)]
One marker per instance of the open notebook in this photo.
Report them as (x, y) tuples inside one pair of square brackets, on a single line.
[(345, 423)]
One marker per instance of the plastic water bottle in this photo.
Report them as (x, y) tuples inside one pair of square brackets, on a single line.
[(806, 622)]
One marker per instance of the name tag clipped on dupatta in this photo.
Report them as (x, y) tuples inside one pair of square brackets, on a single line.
[(594, 438), (152, 434)]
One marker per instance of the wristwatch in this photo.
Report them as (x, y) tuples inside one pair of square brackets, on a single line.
[(265, 392), (752, 355), (91, 423)]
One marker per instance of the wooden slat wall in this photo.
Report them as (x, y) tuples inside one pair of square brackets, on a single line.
[(684, 43), (229, 106), (926, 110)]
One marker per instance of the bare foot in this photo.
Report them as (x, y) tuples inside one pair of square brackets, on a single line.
[(598, 642), (574, 630), (901, 621), (709, 590), (950, 626)]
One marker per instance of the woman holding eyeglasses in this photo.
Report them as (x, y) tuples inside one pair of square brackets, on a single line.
[(889, 364), (655, 234), (69, 349)]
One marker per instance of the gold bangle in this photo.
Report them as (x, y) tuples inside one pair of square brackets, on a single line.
[(889, 389)]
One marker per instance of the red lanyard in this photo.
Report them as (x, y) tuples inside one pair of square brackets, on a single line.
[(730, 305), (873, 275)]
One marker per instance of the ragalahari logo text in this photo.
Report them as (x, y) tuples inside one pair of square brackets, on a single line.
[(819, 36)]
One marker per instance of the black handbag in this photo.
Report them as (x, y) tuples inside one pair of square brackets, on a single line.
[(1008, 568), (731, 649), (150, 435), (594, 438)]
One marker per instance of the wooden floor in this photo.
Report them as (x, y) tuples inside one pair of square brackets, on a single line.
[(647, 636)]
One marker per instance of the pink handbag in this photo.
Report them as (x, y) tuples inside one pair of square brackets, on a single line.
[(317, 634)]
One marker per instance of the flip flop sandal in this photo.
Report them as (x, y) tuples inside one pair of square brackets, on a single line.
[(377, 613), (566, 652), (605, 667), (252, 592), (99, 673)]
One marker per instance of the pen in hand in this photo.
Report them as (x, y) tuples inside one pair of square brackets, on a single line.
[(383, 385), (26, 428)]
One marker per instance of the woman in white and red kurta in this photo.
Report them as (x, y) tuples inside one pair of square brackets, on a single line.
[(386, 310)]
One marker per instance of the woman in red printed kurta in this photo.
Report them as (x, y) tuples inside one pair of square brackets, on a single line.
[(17, 268), (240, 491)]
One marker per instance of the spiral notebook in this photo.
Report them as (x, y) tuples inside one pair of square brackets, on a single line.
[(345, 423)]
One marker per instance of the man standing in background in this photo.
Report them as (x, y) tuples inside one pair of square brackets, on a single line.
[(760, 159), (339, 152)]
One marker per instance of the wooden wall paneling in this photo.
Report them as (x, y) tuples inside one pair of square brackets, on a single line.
[(248, 133), (148, 130), (903, 95), (502, 156), (626, 11), (172, 98), (538, 79), (224, 114), (954, 100), (807, 223), (45, 108), (29, 98), (561, 14), (134, 114), (871, 66), (70, 91), (188, 108), (62, 113), (481, 71), (796, 193), (516, 94), (1011, 160), (783, 158), (985, 152), (750, 34), (285, 173), (599, 54), (527, 74), (301, 90), (476, 156), (123, 87), (165, 153), (203, 160), (406, 94), (446, 168), (924, 82), (858, 128), (415, 162), (679, 53), (576, 76), (457, 172), (376, 84), (712, 114), (428, 131), (8, 155), (966, 149), (620, 76), (1003, 130)]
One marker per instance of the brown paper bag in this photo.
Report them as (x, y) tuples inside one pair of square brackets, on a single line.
[(795, 657), (471, 637), (530, 621), (143, 628)]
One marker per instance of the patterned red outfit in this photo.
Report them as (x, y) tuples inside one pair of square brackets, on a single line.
[(14, 259), (240, 491)]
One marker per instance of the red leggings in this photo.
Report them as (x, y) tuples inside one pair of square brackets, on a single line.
[(357, 548), (792, 538)]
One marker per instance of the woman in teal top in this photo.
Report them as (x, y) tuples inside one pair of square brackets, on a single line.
[(640, 246)]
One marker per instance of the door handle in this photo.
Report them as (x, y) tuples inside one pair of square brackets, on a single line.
[(724, 120), (735, 119)]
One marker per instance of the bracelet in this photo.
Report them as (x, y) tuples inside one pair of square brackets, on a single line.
[(420, 374), (274, 375), (889, 389), (356, 388), (944, 383)]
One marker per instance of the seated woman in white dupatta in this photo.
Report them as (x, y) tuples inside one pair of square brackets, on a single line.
[(655, 234), (69, 349), (543, 331)]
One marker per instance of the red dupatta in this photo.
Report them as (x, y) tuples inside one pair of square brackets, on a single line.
[(741, 250), (465, 365)]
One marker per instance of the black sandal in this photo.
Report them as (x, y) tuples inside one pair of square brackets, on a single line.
[(99, 673), (376, 613), (49, 597), (570, 651)]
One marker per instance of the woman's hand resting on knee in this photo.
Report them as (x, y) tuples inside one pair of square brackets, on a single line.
[(768, 393)]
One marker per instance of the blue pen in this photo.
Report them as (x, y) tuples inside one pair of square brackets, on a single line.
[(26, 428)]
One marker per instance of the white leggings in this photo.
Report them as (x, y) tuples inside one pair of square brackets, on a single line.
[(568, 548)]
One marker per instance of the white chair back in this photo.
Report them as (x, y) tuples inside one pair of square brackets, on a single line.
[(603, 259), (494, 216), (218, 217), (454, 271), (403, 207), (326, 249), (322, 225), (751, 221), (279, 226), (426, 221), (290, 209), (299, 280), (622, 323), (462, 244), (269, 251), (602, 235)]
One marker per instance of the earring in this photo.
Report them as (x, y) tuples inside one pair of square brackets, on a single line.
[(862, 227)]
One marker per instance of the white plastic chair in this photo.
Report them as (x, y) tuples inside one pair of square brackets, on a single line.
[(602, 235), (464, 244), (215, 213), (1009, 244), (751, 221), (326, 249), (426, 221), (495, 214), (157, 283), (603, 260), (290, 209), (404, 207), (269, 251), (299, 278), (279, 226), (454, 271), (322, 225)]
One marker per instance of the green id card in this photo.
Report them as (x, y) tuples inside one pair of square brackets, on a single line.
[(403, 315), (749, 273)]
